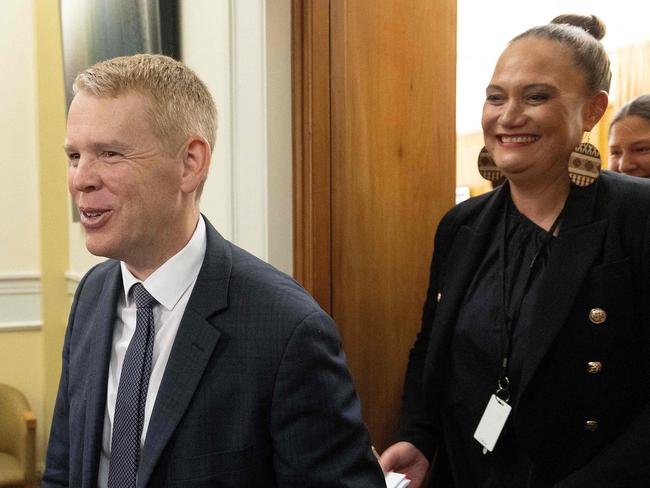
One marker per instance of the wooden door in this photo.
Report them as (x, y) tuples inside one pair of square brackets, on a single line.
[(374, 166)]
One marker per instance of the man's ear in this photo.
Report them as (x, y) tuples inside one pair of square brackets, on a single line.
[(196, 162), (595, 109)]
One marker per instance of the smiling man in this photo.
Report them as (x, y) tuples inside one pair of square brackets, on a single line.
[(187, 361)]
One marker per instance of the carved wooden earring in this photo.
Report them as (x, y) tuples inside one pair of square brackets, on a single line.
[(486, 166), (584, 164)]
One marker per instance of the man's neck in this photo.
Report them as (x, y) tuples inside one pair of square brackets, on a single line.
[(177, 239)]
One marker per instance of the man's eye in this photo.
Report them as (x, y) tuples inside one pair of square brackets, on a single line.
[(643, 149), (73, 159), (110, 154)]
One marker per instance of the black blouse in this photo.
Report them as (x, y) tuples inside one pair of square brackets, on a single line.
[(477, 349)]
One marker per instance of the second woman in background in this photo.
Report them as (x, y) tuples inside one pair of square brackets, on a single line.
[(629, 138)]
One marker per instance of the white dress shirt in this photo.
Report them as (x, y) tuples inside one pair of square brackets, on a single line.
[(171, 285)]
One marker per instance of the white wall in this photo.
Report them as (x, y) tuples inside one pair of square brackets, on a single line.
[(241, 48), (19, 251), (19, 202), (278, 116)]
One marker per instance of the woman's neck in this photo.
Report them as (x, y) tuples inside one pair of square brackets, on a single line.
[(543, 201)]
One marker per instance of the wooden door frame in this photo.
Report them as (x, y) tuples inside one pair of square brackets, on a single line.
[(310, 77)]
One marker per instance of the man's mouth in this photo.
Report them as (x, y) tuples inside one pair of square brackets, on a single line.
[(92, 218)]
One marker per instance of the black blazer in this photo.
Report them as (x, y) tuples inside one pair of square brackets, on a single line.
[(256, 392), (600, 260)]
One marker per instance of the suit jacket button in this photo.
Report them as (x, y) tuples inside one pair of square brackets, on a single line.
[(597, 316), (439, 297), (594, 367), (591, 425)]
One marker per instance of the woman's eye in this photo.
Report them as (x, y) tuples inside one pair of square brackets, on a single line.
[(538, 97), (494, 98)]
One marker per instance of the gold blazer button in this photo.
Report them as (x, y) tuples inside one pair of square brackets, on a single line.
[(597, 316), (594, 367), (591, 425)]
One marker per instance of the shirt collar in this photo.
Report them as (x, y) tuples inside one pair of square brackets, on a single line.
[(168, 283)]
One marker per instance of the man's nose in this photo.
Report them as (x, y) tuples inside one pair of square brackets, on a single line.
[(84, 176)]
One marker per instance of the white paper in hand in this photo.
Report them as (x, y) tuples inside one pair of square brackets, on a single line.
[(396, 480)]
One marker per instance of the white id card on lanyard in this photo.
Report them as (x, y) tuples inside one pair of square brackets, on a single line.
[(491, 424)]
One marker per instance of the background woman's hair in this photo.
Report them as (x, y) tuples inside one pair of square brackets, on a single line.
[(640, 106)]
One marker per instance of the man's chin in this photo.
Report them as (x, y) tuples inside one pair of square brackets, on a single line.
[(100, 249)]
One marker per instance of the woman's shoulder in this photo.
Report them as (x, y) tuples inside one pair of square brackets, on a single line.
[(467, 212), (621, 192), (470, 208)]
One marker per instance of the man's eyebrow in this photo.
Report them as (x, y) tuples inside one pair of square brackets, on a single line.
[(101, 145)]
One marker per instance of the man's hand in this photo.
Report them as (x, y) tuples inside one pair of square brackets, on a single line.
[(404, 457)]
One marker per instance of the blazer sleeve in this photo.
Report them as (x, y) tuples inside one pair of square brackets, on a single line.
[(318, 436), (416, 423), (626, 461), (57, 462)]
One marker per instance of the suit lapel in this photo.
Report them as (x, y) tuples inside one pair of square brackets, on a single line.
[(464, 256), (574, 252), (102, 323), (192, 349)]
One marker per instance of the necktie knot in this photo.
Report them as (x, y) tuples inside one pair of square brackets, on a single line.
[(142, 297)]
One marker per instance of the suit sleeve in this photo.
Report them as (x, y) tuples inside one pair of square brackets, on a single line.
[(626, 461), (57, 462), (416, 423), (319, 439)]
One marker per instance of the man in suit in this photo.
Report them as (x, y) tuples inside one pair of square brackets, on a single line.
[(187, 361)]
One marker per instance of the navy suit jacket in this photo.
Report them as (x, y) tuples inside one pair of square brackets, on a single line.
[(256, 392), (600, 259)]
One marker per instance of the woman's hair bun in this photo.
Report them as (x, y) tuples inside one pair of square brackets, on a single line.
[(590, 23)]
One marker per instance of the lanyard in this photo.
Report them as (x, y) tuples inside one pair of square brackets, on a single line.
[(503, 383)]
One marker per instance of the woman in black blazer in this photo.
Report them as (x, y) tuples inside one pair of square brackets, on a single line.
[(537, 315)]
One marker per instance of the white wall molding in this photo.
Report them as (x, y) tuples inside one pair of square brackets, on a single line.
[(20, 283), (72, 279), (20, 301), (248, 120), (21, 325)]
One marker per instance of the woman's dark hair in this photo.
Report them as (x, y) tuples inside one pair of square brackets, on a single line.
[(582, 35), (640, 107)]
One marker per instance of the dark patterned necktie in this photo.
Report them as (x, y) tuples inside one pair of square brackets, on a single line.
[(132, 395)]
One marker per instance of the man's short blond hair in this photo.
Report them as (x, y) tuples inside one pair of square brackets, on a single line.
[(180, 103)]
